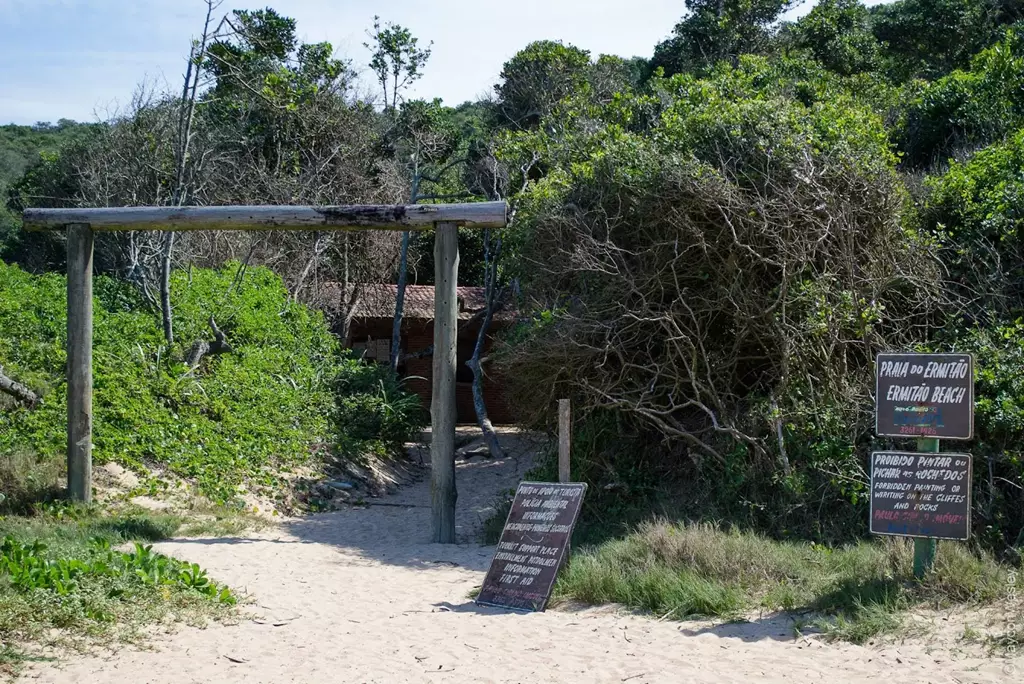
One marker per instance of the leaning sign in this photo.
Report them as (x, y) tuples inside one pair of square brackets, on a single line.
[(916, 494), (533, 545), (924, 395)]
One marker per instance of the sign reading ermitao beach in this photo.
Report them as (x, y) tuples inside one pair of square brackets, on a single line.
[(533, 545), (924, 395), (915, 494)]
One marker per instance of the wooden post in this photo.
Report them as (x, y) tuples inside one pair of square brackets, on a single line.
[(79, 368), (924, 548), (442, 404), (564, 439)]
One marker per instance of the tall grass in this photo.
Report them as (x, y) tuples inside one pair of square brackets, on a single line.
[(682, 570)]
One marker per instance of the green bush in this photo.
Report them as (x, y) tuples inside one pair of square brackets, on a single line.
[(977, 209), (716, 275), (64, 582), (239, 418), (967, 108)]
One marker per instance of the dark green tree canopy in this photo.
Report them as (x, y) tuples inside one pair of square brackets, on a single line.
[(717, 30), (537, 78), (838, 35), (929, 38)]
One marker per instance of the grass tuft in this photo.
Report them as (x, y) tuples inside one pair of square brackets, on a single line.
[(860, 590)]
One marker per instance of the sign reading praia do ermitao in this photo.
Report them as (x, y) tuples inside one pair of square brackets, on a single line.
[(924, 395), (915, 494), (533, 545)]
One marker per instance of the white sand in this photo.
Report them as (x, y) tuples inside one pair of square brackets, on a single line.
[(357, 596)]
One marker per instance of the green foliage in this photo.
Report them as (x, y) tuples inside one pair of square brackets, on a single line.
[(685, 220), (28, 569), (977, 208), (240, 418), (838, 35), (62, 581), (930, 38), (396, 59), (718, 30), (967, 108), (22, 150), (537, 78)]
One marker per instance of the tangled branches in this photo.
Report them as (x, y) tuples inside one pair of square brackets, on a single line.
[(723, 305)]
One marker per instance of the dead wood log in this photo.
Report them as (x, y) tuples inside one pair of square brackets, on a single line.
[(15, 389), (202, 348)]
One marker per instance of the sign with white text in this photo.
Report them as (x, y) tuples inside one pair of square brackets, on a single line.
[(917, 494), (924, 395), (532, 546)]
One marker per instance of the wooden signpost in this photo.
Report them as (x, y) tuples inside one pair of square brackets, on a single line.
[(924, 494), (533, 545)]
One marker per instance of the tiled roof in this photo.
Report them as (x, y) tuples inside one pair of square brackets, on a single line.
[(378, 301)]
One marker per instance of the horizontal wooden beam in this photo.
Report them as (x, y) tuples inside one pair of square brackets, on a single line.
[(351, 217)]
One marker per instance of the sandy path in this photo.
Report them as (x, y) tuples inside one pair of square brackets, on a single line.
[(362, 598)]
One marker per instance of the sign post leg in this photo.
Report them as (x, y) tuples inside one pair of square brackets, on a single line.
[(924, 548)]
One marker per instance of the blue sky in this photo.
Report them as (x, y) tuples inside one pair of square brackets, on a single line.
[(82, 59)]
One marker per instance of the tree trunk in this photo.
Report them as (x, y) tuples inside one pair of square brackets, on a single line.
[(187, 118), (349, 312), (479, 405), (166, 316), (201, 348), (396, 325), (443, 493)]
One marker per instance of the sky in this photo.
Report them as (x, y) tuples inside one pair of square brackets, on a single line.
[(83, 59)]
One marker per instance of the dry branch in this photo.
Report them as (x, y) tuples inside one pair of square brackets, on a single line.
[(15, 389)]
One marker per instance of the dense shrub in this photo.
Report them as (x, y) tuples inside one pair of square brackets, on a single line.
[(968, 108), (977, 210), (724, 277), (238, 418)]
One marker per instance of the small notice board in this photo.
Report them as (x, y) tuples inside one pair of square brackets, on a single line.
[(533, 545), (917, 494), (924, 395)]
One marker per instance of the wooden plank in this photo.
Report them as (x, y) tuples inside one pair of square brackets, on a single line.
[(352, 217), (564, 438), (443, 493), (79, 370)]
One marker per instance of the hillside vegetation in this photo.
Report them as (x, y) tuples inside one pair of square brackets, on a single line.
[(284, 396)]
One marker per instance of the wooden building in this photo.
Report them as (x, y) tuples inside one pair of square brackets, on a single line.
[(370, 332)]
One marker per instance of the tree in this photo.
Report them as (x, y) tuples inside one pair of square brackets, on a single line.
[(396, 59), (717, 30), (838, 35), (537, 78), (977, 210), (182, 160), (930, 38), (717, 280), (966, 109), (271, 123)]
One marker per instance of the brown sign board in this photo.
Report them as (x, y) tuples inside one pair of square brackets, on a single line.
[(533, 545), (924, 395), (916, 494)]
